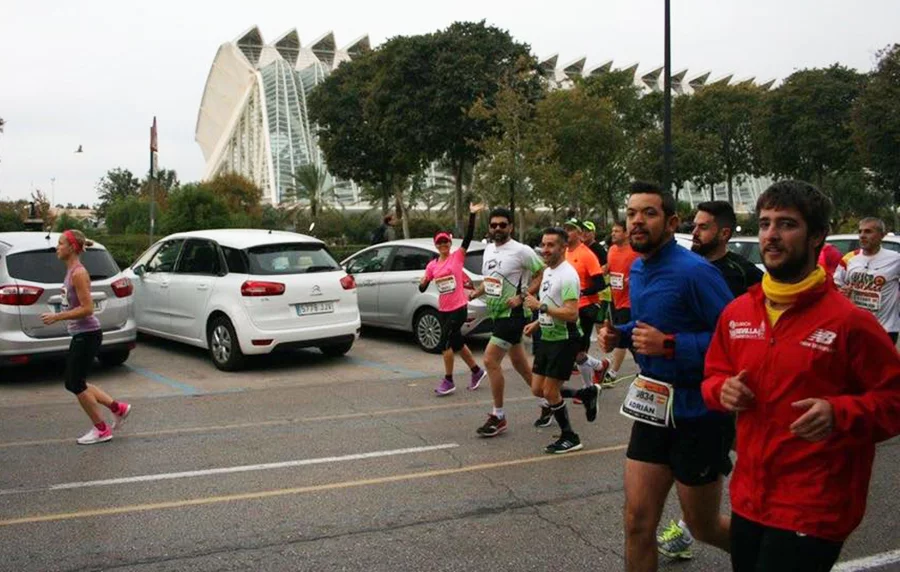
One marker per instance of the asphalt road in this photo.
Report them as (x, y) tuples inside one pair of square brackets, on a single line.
[(310, 463)]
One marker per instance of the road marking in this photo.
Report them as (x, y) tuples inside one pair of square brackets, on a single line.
[(153, 376), (869, 563), (231, 470), (273, 422), (409, 373), (303, 490)]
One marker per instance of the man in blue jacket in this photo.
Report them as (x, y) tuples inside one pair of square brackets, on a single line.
[(676, 299)]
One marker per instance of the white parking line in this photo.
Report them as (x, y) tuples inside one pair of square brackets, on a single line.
[(237, 469), (869, 563)]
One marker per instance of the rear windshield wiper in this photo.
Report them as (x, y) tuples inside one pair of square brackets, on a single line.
[(320, 268)]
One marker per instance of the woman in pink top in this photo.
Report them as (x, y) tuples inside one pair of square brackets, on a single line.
[(87, 337), (446, 271)]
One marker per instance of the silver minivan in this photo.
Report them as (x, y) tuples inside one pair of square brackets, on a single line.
[(31, 280)]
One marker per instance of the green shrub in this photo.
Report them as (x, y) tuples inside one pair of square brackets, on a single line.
[(124, 248), (10, 221)]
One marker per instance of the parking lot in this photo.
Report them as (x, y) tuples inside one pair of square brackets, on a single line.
[(303, 462)]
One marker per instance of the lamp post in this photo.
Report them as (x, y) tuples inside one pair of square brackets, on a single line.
[(667, 106)]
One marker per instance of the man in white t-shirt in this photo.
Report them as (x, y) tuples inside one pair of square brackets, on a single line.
[(872, 278)]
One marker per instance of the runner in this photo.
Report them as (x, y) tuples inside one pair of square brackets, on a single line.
[(560, 339), (447, 273), (590, 275), (815, 383), (511, 270), (676, 299), (872, 277), (714, 226), (87, 336), (620, 258)]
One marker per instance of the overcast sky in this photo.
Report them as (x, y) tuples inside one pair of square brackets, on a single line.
[(94, 73)]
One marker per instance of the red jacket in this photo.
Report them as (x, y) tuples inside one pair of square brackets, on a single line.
[(822, 347)]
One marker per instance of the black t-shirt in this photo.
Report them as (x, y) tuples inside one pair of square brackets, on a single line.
[(599, 252), (739, 273)]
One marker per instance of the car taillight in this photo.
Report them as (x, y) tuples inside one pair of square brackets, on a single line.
[(467, 283), (348, 282), (20, 295), (122, 288), (258, 288)]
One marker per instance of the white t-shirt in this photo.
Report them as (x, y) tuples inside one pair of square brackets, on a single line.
[(874, 282), (558, 286), (507, 270)]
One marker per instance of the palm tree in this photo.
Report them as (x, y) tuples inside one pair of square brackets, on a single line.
[(311, 183)]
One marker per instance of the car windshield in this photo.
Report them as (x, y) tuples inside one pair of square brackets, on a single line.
[(43, 266), (290, 258)]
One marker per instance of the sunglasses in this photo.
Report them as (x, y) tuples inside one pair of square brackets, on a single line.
[(499, 224)]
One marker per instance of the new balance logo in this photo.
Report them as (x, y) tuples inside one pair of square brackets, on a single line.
[(821, 340)]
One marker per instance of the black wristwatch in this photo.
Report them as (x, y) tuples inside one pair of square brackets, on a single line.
[(544, 308)]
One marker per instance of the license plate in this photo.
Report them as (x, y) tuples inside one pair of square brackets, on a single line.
[(315, 308), (57, 308)]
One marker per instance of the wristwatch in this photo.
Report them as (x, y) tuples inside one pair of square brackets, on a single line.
[(544, 308)]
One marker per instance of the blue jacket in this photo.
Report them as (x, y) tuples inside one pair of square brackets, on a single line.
[(680, 293)]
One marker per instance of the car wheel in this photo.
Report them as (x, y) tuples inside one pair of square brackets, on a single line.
[(336, 350), (427, 329), (114, 358), (224, 348)]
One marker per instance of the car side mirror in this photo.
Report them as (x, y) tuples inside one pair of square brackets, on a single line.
[(139, 270)]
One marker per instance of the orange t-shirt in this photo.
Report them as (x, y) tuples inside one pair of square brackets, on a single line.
[(619, 261), (586, 265)]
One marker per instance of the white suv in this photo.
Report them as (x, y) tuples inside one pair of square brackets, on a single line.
[(242, 292)]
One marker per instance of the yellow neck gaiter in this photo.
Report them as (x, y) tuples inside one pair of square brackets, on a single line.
[(780, 293)]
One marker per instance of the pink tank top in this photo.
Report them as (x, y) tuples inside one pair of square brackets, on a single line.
[(70, 301)]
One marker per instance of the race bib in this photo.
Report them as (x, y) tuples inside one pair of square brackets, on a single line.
[(445, 285), (649, 401), (545, 320), (866, 299), (617, 281), (493, 287)]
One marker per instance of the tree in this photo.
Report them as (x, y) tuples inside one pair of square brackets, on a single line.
[(66, 222), (130, 215), (727, 113), (876, 125), (471, 63), (159, 188), (240, 195), (311, 184), (117, 184), (11, 221), (195, 207), (808, 123)]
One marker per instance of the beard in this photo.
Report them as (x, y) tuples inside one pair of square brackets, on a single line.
[(500, 236), (650, 245), (704, 248), (792, 269)]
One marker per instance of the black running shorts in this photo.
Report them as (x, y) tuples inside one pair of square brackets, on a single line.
[(451, 324), (695, 449), (82, 350), (556, 359), (587, 317), (507, 332)]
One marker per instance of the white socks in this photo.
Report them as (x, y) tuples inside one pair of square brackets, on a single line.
[(498, 413)]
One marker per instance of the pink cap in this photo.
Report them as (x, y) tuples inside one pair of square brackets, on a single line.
[(442, 236)]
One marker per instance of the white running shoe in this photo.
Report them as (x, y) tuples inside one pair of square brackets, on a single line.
[(95, 436), (119, 420)]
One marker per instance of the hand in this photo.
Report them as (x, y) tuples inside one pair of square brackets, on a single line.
[(474, 209), (530, 328), (472, 295), (532, 303), (647, 340), (49, 319), (609, 336), (515, 301), (818, 421), (735, 395)]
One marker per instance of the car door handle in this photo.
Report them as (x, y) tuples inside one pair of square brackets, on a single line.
[(163, 284), (202, 286)]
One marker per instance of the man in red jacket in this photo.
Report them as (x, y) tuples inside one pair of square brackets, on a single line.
[(815, 383)]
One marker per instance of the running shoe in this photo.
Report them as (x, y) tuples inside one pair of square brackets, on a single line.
[(477, 378), (674, 544), (95, 436), (492, 427), (591, 400), (546, 418), (445, 387), (119, 418), (609, 381), (566, 443)]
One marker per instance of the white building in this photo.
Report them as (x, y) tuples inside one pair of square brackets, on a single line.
[(253, 117)]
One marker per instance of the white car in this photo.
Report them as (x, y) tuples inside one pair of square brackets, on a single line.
[(242, 292), (847, 242), (748, 247)]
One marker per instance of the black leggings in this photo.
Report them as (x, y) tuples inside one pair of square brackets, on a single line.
[(451, 324), (758, 548), (82, 350)]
